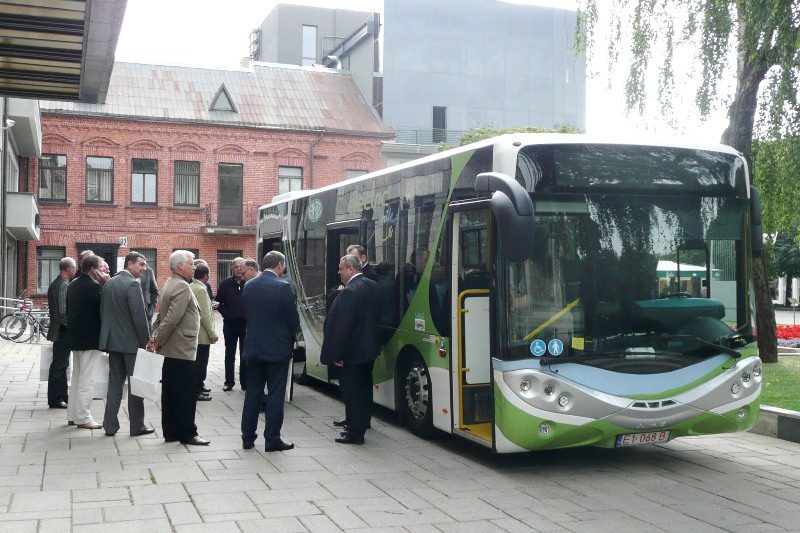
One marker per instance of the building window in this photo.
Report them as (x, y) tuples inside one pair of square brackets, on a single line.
[(144, 178), (439, 124), (99, 179), (224, 260), (187, 183), (47, 260), (309, 45), (151, 256), (289, 179), (53, 177), (355, 173)]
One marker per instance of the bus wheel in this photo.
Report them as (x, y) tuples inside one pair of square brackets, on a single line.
[(415, 396)]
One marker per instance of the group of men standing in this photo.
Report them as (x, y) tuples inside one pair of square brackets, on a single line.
[(96, 313)]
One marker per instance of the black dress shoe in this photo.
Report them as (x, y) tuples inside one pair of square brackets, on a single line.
[(248, 445), (340, 423), (349, 439), (203, 397), (227, 388), (58, 405), (145, 431), (205, 389), (196, 441), (280, 446)]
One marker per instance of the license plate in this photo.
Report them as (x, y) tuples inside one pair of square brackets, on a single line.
[(636, 439)]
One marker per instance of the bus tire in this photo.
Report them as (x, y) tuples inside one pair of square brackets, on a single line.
[(414, 394)]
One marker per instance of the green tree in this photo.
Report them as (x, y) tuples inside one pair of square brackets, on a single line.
[(784, 255), (754, 40)]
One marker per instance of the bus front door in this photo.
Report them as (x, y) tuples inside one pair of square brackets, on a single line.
[(471, 289)]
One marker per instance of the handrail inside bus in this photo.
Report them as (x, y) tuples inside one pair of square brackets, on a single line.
[(553, 319)]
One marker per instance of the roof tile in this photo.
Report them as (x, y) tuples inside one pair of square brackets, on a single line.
[(281, 96)]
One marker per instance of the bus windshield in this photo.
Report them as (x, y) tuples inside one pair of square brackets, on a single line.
[(645, 277)]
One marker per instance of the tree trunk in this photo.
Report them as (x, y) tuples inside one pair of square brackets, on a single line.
[(751, 69), (765, 313)]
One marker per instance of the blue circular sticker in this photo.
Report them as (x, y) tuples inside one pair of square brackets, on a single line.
[(538, 347), (555, 347)]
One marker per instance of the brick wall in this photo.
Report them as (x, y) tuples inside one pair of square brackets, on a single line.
[(166, 227)]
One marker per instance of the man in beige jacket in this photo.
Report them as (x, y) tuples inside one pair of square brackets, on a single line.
[(175, 337)]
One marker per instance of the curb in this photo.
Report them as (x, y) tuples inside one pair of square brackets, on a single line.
[(779, 423)]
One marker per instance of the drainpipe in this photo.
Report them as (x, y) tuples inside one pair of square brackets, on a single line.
[(311, 160), (3, 188)]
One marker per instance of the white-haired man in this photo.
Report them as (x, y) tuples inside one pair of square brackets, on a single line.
[(175, 337)]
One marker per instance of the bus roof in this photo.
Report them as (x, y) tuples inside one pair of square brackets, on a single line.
[(525, 139)]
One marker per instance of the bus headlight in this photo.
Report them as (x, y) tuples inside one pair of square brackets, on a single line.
[(549, 389), (564, 401), (746, 377), (525, 385), (757, 371), (736, 389)]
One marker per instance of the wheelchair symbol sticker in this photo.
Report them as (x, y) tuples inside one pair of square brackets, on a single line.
[(555, 347), (538, 347)]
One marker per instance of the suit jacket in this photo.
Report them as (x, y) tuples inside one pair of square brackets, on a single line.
[(369, 272), (123, 324), (149, 288), (206, 314), (83, 313), (57, 302), (178, 322), (351, 325), (270, 308)]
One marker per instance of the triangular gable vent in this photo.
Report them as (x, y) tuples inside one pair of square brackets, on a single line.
[(222, 101)]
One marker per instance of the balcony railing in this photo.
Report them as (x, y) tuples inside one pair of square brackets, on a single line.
[(225, 219), (427, 136)]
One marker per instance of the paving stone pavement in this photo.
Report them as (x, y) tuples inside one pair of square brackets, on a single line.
[(55, 477)]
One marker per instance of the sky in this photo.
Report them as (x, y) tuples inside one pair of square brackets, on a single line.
[(214, 34)]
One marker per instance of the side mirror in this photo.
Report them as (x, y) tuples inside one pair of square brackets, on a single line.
[(512, 207), (756, 232)]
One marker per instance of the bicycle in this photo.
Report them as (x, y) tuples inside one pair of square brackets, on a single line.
[(26, 319)]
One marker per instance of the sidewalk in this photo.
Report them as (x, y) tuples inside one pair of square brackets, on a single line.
[(57, 478)]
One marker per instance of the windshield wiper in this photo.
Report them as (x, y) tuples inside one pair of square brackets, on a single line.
[(721, 348)]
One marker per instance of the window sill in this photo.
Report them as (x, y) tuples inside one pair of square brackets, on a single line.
[(53, 202), (142, 206), (187, 207), (99, 204)]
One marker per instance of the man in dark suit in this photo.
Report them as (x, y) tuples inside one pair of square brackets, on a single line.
[(270, 309), (149, 292), (83, 336), (57, 301), (123, 330), (229, 296), (351, 344), (356, 250)]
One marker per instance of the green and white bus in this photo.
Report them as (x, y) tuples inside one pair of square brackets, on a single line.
[(544, 291)]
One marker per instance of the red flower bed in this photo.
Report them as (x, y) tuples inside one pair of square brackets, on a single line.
[(788, 332)]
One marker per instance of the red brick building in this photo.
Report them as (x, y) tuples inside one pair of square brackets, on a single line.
[(183, 157)]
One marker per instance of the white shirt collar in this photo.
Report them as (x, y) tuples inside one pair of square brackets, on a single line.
[(354, 277)]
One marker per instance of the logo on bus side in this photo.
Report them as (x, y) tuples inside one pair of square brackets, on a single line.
[(314, 212)]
